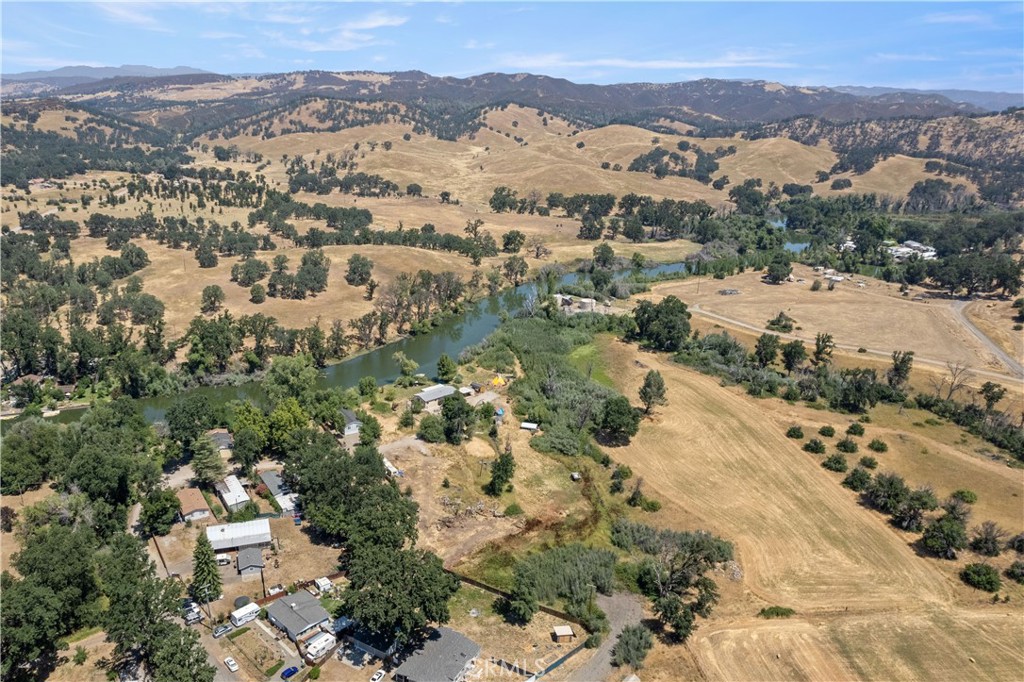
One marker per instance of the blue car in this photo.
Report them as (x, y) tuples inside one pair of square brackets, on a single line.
[(289, 672)]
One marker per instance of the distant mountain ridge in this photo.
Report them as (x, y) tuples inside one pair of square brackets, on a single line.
[(991, 101), (101, 72)]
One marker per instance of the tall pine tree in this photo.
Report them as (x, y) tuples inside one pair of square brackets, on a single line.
[(206, 584)]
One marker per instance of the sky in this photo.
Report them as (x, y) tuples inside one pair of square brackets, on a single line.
[(926, 45)]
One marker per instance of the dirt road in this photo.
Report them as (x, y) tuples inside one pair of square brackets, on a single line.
[(1004, 357), (623, 609)]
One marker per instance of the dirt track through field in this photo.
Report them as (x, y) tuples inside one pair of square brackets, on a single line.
[(994, 348), (868, 606)]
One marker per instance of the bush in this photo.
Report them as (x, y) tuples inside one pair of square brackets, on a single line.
[(815, 446), (407, 419), (846, 445), (1016, 543), (238, 633), (776, 612), (827, 431), (878, 445), (836, 462), (274, 668), (632, 646), (965, 496), (855, 429), (80, 655), (593, 641), (858, 479), (794, 432), (431, 429), (868, 462), (982, 577), (1016, 572), (314, 673), (816, 285), (649, 505), (513, 510)]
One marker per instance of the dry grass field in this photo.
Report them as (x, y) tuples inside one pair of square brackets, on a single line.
[(868, 606), (874, 317), (995, 319)]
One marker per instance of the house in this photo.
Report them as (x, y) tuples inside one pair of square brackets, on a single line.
[(250, 561), (352, 423), (372, 643), (282, 494), (222, 439), (434, 394), (466, 391), (297, 614), (232, 494), (562, 634), (445, 655), (193, 505), (229, 536)]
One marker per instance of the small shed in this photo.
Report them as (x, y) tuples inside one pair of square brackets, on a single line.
[(575, 476), (529, 426), (562, 634), (466, 391), (477, 386), (250, 561), (323, 584)]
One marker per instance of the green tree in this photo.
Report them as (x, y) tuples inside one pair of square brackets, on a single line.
[(159, 510), (515, 268), (766, 349), (457, 416), (414, 190), (206, 582), (213, 298), (398, 591), (30, 620), (604, 255), (501, 472), (360, 269), (653, 391), (248, 449), (664, 325), (287, 418), (512, 241), (987, 539), (982, 577), (181, 657), (631, 647), (406, 366), (618, 419), (431, 429), (207, 466), (779, 268), (992, 393), (673, 612), (291, 377), (257, 293), (944, 537), (823, 346), (189, 415), (447, 369), (899, 372), (370, 431), (793, 355)]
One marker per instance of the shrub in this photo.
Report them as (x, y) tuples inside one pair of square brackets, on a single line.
[(513, 510), (1016, 572), (827, 431), (982, 577), (794, 432), (965, 496), (776, 612), (593, 641), (431, 429), (878, 445), (815, 446), (816, 285), (1016, 543), (632, 646), (858, 479), (855, 429), (836, 462), (274, 668), (407, 419), (314, 673), (846, 445), (868, 462), (649, 505), (80, 655), (238, 633)]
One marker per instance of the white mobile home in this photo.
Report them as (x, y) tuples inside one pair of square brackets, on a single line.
[(245, 614), (232, 493), (230, 536)]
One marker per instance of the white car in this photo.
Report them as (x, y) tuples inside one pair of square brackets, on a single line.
[(230, 664), (378, 676)]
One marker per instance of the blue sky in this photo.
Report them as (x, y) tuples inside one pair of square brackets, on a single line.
[(976, 46)]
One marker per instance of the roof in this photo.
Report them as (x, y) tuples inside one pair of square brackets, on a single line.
[(250, 557), (298, 612), (228, 535), (376, 640), (564, 631), (221, 438), (443, 656), (191, 500), (274, 483), (349, 415), (435, 392), (232, 492)]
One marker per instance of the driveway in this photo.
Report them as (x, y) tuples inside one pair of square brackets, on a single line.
[(622, 608)]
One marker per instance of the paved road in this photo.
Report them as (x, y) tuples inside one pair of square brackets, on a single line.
[(1011, 369), (622, 608), (993, 347)]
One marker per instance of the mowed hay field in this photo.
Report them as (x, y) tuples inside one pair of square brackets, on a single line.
[(874, 317), (868, 607)]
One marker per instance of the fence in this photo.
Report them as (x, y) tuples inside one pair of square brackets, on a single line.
[(557, 663), (299, 585)]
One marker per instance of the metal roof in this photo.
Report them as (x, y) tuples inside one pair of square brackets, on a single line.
[(349, 415), (228, 535), (297, 613), (435, 392), (274, 482), (250, 557), (232, 492), (443, 656)]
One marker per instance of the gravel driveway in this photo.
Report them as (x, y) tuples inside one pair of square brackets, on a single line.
[(623, 608)]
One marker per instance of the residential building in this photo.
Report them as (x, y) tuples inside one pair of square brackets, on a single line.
[(297, 614), (232, 494), (372, 643), (222, 439), (283, 495), (230, 536), (445, 656), (352, 423), (250, 561), (193, 505), (434, 394)]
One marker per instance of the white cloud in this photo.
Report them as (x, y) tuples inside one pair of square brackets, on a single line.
[(375, 20), (220, 35), (292, 19), (473, 44), (351, 35), (132, 14), (733, 59), (958, 18), (444, 19), (904, 57)]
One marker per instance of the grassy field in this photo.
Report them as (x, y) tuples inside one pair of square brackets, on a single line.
[(718, 459)]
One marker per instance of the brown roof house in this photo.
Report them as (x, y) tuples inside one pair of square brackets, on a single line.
[(193, 505)]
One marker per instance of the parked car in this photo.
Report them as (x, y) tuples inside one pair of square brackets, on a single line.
[(378, 676), (230, 664), (222, 630), (193, 617), (289, 672)]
